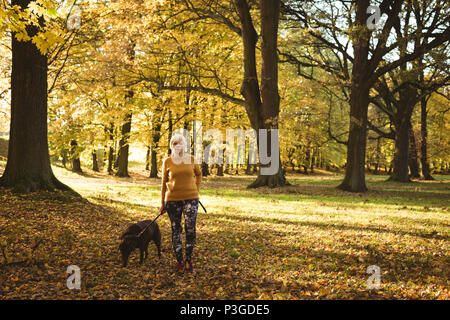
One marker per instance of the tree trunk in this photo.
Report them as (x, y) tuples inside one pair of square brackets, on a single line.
[(313, 160), (248, 170), (278, 179), (124, 147), (76, 163), (205, 171), (110, 133), (307, 159), (147, 159), (413, 159), (262, 106), (155, 142), (94, 161), (64, 158), (154, 166), (401, 154), (170, 129), (110, 160), (355, 180), (423, 145), (122, 158), (28, 165), (219, 169), (402, 123)]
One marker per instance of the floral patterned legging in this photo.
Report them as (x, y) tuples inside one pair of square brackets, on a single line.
[(175, 209)]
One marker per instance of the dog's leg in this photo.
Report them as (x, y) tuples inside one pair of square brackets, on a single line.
[(146, 251), (158, 246), (142, 255)]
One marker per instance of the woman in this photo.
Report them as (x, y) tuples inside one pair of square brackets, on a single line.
[(181, 178)]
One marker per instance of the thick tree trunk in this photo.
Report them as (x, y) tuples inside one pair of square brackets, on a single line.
[(355, 180), (402, 123), (205, 171), (423, 145), (28, 166), (413, 161), (278, 179), (219, 169), (401, 153), (122, 158), (262, 106), (94, 161), (307, 160), (270, 106)]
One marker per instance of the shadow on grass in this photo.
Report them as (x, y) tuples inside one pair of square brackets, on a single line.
[(386, 194), (127, 204), (331, 226)]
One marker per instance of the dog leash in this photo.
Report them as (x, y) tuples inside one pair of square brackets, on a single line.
[(164, 211), (143, 230), (202, 206)]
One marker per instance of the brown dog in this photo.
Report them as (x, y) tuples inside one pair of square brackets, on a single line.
[(131, 240)]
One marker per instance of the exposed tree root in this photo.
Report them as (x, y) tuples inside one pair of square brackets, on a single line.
[(344, 186), (41, 183), (277, 180)]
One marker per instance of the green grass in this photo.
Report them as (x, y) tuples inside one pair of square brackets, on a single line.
[(305, 241)]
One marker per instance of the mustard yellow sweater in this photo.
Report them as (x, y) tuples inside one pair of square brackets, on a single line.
[(181, 181)]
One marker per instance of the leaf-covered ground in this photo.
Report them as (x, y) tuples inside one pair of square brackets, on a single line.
[(305, 241)]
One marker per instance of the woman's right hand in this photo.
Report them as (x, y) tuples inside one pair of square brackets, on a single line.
[(162, 209)]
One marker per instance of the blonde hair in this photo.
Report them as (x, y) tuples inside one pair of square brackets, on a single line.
[(176, 137)]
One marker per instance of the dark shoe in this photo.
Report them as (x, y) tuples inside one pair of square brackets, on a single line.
[(180, 267), (188, 266)]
